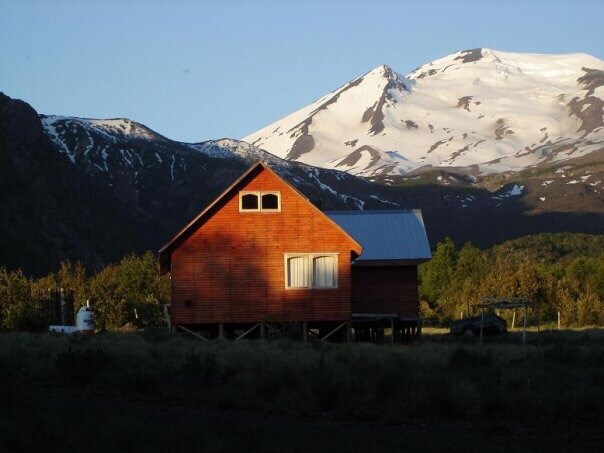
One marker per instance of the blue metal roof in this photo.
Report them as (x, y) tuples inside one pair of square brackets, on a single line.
[(386, 235)]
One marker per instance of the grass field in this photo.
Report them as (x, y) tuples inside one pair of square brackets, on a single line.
[(151, 391)]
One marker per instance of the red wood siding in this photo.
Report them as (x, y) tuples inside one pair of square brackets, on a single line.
[(232, 267), (385, 290)]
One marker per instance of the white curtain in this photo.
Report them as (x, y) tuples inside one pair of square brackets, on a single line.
[(298, 272), (324, 268)]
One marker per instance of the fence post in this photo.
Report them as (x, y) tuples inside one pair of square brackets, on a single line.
[(481, 324), (558, 320), (63, 306), (524, 329)]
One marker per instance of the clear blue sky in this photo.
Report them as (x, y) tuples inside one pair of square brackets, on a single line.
[(195, 71)]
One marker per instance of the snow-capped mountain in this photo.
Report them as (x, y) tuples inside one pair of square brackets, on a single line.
[(482, 110)]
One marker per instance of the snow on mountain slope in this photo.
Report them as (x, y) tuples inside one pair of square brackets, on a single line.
[(482, 109), (133, 160)]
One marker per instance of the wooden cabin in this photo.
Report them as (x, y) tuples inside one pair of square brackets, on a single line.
[(262, 255)]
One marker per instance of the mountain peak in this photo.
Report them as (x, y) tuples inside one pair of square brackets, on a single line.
[(484, 109), (386, 79), (382, 70)]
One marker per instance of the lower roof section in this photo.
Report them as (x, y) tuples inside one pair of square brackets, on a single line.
[(392, 238)]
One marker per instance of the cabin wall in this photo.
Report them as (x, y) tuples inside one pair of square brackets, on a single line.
[(232, 268), (385, 290)]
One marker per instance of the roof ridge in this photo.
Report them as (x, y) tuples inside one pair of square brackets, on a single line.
[(373, 211)]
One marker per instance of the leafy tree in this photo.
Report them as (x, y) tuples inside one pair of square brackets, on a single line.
[(131, 291), (436, 275), (72, 277), (17, 309)]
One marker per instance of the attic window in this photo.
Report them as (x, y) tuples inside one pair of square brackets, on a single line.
[(270, 202), (249, 202), (259, 201)]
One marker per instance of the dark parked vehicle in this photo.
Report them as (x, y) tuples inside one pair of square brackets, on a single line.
[(491, 325)]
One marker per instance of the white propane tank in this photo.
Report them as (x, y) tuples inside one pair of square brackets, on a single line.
[(85, 319)]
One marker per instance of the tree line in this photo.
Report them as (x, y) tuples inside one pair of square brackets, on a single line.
[(129, 292), (558, 273)]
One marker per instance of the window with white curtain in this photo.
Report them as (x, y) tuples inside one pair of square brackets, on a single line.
[(311, 270), (324, 271), (298, 275)]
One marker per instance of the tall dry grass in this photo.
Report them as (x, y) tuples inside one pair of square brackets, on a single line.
[(556, 376)]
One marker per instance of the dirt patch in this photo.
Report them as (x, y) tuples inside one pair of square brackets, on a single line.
[(303, 144), (352, 143), (464, 103), (427, 73), (468, 56), (375, 116), (589, 111), (459, 152), (367, 114), (592, 79), (354, 157), (501, 129), (436, 145)]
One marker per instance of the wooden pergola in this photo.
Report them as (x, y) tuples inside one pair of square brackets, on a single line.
[(504, 303)]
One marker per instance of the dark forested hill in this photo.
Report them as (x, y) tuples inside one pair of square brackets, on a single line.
[(50, 210), (94, 190)]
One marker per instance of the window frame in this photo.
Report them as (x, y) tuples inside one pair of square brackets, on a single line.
[(248, 192), (311, 257), (259, 194)]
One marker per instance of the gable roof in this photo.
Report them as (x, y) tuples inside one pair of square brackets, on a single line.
[(387, 237), (166, 250)]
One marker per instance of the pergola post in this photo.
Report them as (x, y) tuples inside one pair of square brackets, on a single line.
[(481, 325), (507, 303), (262, 331)]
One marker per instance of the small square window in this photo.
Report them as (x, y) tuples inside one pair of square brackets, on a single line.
[(270, 202), (259, 201), (249, 202)]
